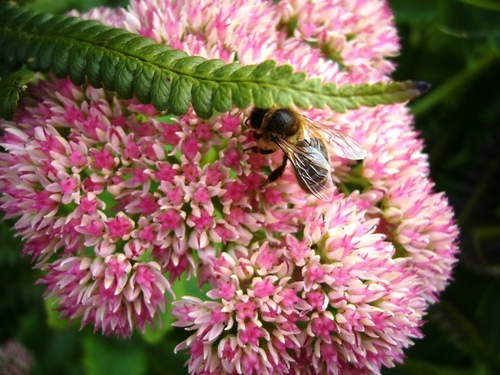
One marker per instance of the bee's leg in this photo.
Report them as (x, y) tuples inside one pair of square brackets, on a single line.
[(277, 172), (261, 151)]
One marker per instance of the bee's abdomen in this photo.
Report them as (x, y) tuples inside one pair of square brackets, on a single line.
[(320, 146), (313, 175)]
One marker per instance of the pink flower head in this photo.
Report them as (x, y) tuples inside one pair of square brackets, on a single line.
[(348, 306), (15, 358), (115, 202)]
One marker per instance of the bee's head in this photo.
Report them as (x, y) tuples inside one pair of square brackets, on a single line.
[(256, 117)]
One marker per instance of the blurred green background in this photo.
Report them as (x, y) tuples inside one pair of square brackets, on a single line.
[(455, 46)]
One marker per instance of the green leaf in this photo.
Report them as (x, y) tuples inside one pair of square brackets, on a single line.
[(202, 95), (206, 68), (486, 4), (129, 64), (10, 87), (378, 93), (222, 100), (262, 98), (281, 73), (264, 69), (60, 60), (76, 64), (284, 99), (242, 95), (302, 101), (141, 83), (126, 73), (181, 88)]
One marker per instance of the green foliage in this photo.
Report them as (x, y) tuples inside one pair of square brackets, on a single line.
[(486, 4), (169, 79), (18, 295), (10, 87), (101, 356), (456, 47)]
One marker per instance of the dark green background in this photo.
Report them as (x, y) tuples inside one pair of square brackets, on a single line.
[(455, 46)]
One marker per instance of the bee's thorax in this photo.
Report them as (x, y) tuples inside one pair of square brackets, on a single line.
[(281, 122)]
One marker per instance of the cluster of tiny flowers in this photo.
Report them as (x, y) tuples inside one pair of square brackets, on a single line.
[(335, 302), (115, 201), (15, 359)]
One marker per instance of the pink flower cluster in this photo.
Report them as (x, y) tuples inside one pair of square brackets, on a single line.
[(115, 202), (337, 302), (15, 359)]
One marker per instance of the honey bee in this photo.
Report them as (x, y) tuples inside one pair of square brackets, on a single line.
[(306, 143)]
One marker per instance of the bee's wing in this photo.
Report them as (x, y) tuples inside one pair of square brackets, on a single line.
[(311, 169), (339, 142)]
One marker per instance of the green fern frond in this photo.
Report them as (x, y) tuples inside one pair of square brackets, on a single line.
[(170, 79), (10, 87)]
